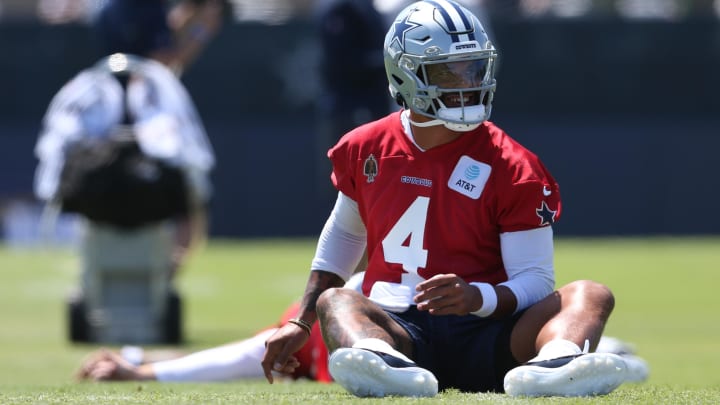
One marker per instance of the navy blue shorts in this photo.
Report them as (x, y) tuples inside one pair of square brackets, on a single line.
[(467, 353)]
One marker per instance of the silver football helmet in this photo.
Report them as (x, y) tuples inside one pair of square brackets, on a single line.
[(440, 63)]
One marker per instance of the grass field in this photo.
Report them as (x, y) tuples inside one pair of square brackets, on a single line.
[(667, 304)]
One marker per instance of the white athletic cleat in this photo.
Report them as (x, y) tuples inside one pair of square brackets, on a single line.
[(366, 373), (581, 375)]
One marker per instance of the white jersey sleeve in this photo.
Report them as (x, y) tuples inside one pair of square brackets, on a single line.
[(528, 259), (342, 241)]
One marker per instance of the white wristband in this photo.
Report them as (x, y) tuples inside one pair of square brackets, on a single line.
[(489, 297)]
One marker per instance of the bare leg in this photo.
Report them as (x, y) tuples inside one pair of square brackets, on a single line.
[(575, 312), (347, 316)]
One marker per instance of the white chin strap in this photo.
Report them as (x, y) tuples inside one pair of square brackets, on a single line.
[(453, 126), (477, 112)]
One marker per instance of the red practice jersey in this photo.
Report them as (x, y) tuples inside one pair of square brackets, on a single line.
[(442, 210)]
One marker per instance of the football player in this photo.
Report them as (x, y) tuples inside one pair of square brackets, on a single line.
[(457, 220), (234, 361)]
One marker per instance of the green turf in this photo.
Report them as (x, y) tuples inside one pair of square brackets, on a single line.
[(666, 303)]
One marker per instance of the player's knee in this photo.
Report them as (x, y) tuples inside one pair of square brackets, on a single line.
[(595, 295), (330, 298)]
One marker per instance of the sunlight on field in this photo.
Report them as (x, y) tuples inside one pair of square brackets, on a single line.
[(664, 287)]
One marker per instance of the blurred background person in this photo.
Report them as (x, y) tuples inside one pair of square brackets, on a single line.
[(174, 34), (123, 146)]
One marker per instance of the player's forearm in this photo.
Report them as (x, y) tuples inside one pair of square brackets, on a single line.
[(506, 302), (530, 287), (318, 282)]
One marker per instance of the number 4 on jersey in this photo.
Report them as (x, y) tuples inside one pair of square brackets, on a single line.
[(411, 225)]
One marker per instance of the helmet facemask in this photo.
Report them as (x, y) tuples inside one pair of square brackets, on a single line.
[(456, 91)]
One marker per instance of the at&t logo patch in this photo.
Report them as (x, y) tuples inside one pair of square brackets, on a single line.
[(469, 177)]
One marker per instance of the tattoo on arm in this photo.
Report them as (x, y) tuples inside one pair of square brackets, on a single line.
[(318, 282)]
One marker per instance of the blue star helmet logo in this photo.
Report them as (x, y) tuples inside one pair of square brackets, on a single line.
[(547, 216), (400, 28)]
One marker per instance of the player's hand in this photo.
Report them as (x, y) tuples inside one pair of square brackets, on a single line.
[(279, 349), (105, 365), (447, 294)]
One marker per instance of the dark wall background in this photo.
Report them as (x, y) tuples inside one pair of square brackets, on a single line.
[(625, 115)]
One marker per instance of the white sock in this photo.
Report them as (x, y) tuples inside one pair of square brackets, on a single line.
[(557, 348), (381, 346)]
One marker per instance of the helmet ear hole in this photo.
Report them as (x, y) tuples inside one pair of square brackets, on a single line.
[(398, 81), (400, 100)]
